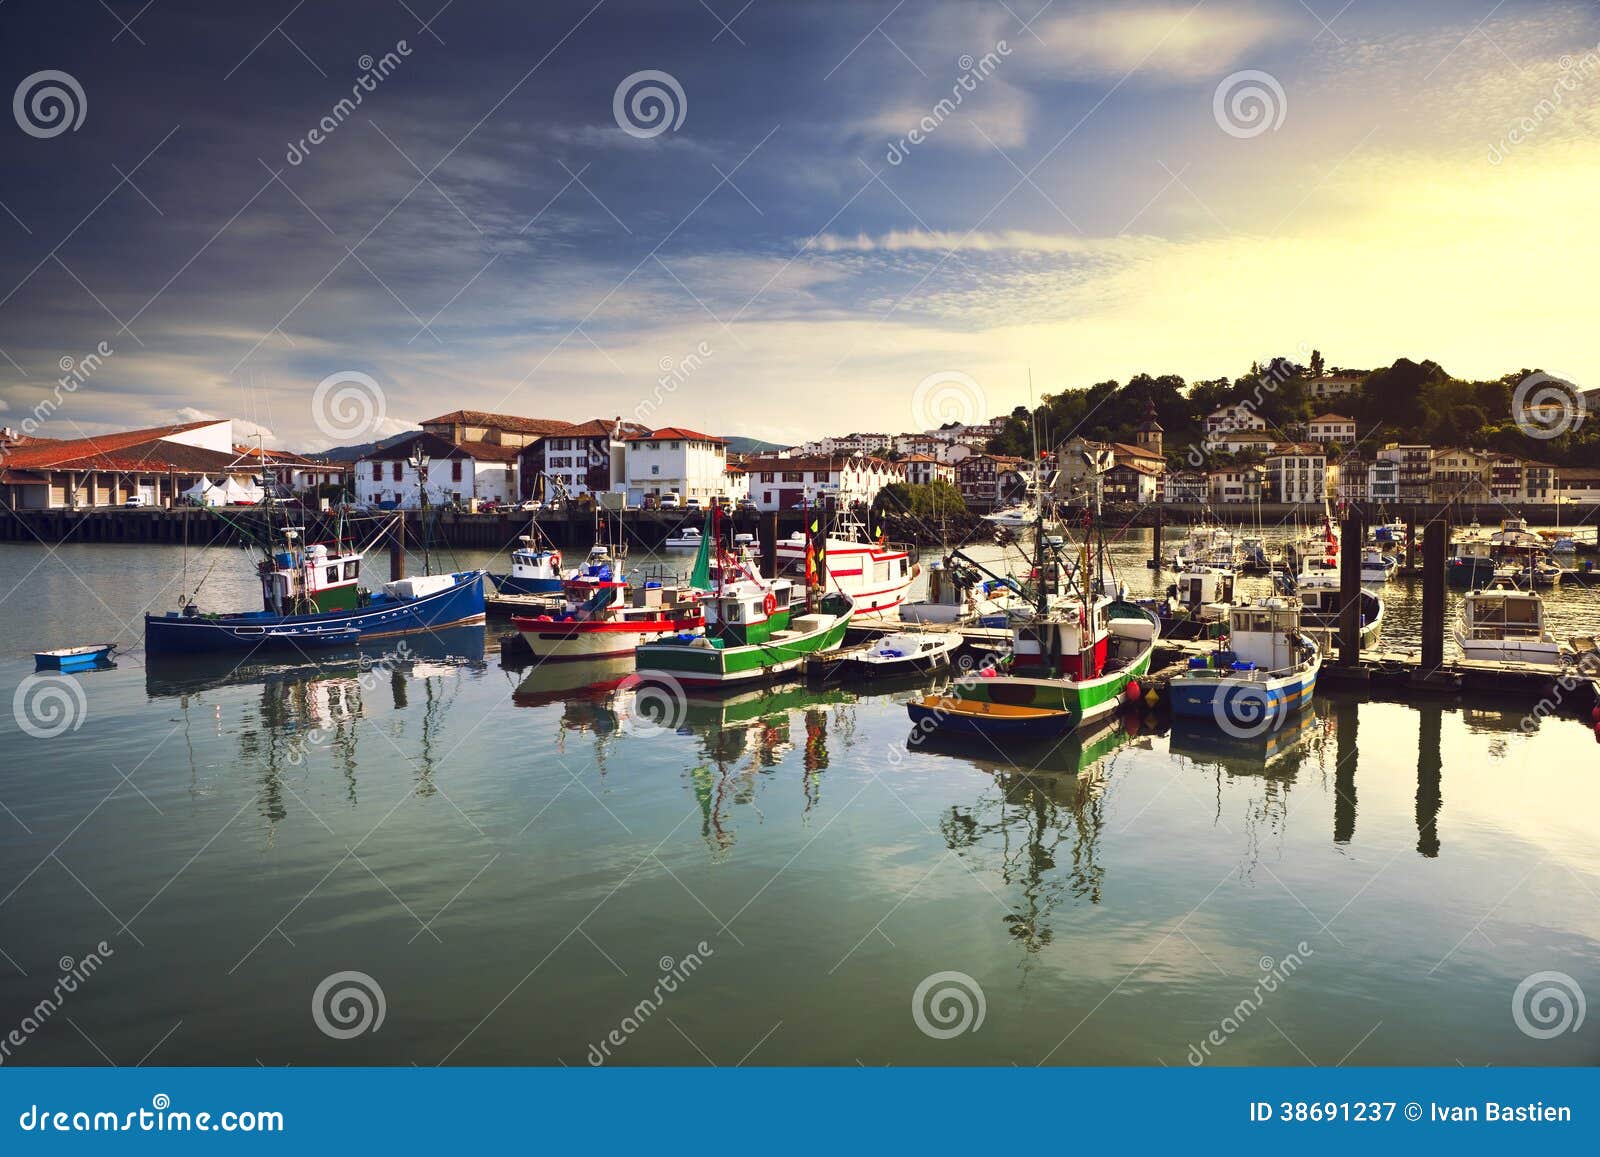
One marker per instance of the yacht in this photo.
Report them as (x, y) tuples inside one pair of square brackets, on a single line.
[(1502, 623)]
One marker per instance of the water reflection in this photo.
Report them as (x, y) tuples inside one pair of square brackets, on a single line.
[(311, 711), (1044, 820)]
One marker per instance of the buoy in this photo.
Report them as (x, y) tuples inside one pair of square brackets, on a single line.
[(1595, 714), (1151, 698), (1133, 691)]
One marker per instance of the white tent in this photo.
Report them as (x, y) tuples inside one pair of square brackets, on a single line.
[(206, 493), (247, 491)]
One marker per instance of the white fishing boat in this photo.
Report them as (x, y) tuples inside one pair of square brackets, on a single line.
[(1501, 623), (904, 653), (1207, 544), (1266, 669), (1012, 517), (685, 538), (960, 594), (875, 575), (610, 620), (1377, 567)]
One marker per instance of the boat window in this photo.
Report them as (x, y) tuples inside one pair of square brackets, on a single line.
[(782, 596), (332, 574), (352, 568), (905, 565)]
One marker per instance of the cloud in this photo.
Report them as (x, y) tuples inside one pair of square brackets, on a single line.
[(1179, 42)]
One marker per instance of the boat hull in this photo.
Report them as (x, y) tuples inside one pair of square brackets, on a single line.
[(1542, 652), (554, 640), (968, 717), (1239, 703), (708, 667), (508, 584), (1086, 701), (457, 605)]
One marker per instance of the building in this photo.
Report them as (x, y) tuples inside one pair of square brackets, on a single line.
[(1297, 472), (1540, 482), (1347, 479), (674, 460), (1335, 385), (465, 426), (1228, 485), (1506, 482), (921, 469), (933, 446), (1191, 486), (581, 459), (1134, 481), (452, 472), (1577, 485), (1414, 462), (153, 466), (987, 480), (1332, 428), (786, 483), (1226, 421), (1459, 475), (1383, 481), (294, 473)]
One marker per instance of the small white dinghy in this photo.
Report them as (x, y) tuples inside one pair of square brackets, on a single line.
[(903, 653)]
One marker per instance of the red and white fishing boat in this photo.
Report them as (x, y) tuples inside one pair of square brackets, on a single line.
[(606, 618), (875, 574)]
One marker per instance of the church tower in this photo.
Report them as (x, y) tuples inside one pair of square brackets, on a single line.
[(1148, 435)]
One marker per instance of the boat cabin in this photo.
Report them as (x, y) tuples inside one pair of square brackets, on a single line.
[(313, 579), (1070, 644), (1266, 634), (1199, 585), (748, 612), (1499, 613)]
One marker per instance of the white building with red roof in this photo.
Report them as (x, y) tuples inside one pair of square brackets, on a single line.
[(674, 460)]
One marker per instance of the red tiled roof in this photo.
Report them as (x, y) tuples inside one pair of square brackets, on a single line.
[(1331, 418), (676, 433), (509, 422), (134, 446), (437, 448)]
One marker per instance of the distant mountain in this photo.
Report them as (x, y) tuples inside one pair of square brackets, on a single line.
[(352, 453), (743, 445)]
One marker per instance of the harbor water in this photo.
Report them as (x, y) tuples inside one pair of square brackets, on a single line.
[(513, 870)]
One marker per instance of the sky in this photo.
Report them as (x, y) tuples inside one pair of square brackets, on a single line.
[(774, 219)]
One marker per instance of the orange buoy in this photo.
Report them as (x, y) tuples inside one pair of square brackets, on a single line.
[(1133, 691)]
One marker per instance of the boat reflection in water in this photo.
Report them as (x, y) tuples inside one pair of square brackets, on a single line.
[(310, 712), (1040, 826)]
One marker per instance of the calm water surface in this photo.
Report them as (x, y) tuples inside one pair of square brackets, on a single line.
[(516, 868)]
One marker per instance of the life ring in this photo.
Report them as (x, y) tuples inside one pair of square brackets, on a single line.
[(770, 603), (555, 559)]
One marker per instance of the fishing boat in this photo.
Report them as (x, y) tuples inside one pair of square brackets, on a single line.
[(1254, 557), (874, 574), (1196, 605), (74, 658), (1207, 544), (1471, 565), (1390, 535), (535, 570), (1321, 609), (962, 594), (898, 655), (1011, 517), (1266, 669), (606, 620), (949, 714), (1502, 623), (685, 538), (756, 629), (312, 597), (1377, 567)]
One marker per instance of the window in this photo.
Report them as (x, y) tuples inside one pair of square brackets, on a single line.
[(377, 471), (655, 470), (332, 574), (455, 470), (397, 468), (352, 569), (794, 476), (766, 476), (677, 445)]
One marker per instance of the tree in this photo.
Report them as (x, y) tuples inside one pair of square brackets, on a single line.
[(1316, 363)]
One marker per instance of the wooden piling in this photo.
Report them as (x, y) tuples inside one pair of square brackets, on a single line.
[(397, 548), (767, 531), (1435, 549), (1155, 542), (1350, 589)]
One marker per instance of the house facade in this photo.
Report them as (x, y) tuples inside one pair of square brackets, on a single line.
[(581, 459), (1332, 428), (1229, 485), (921, 469), (787, 483), (1191, 486), (1383, 481), (1297, 472), (988, 480), (1460, 475), (675, 460), (1414, 469), (451, 473)]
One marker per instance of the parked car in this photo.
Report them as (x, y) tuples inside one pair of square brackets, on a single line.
[(747, 504), (692, 504), (136, 500), (671, 502)]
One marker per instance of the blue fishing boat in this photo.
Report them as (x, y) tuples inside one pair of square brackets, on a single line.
[(534, 571), (1264, 670), (312, 597), (74, 658)]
